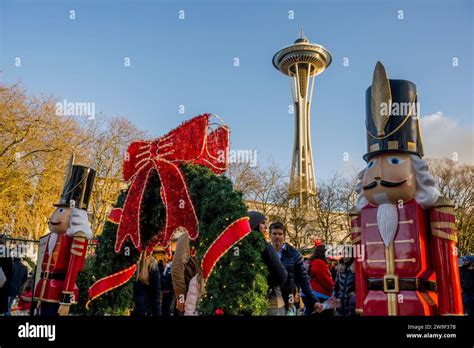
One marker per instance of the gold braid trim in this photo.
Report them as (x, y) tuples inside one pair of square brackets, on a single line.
[(444, 235)]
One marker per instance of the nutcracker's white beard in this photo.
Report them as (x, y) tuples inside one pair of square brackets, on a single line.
[(426, 194), (387, 220), (53, 237)]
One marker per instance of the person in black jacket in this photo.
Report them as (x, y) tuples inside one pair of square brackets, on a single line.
[(147, 288), (18, 278), (292, 260), (467, 284), (167, 293), (6, 265), (277, 273), (344, 287)]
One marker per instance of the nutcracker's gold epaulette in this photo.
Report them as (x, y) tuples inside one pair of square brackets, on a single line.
[(443, 202), (354, 211), (80, 235)]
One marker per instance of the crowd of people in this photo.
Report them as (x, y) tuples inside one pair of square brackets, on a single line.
[(173, 286), (317, 286)]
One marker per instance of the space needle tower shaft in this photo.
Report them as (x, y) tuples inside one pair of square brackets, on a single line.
[(302, 62)]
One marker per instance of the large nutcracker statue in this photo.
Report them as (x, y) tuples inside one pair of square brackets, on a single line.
[(404, 228), (65, 246)]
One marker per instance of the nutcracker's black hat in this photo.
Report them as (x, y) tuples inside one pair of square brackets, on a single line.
[(77, 187), (392, 118)]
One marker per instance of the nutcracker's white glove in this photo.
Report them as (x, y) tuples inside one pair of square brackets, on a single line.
[(79, 222)]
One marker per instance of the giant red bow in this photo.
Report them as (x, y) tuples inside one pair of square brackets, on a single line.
[(189, 143)]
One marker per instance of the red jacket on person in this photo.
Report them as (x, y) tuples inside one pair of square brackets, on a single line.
[(321, 280)]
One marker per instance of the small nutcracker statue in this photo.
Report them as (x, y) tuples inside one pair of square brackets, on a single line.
[(404, 228), (66, 246)]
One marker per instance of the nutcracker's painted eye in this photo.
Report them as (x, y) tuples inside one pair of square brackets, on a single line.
[(60, 210), (370, 164), (395, 160)]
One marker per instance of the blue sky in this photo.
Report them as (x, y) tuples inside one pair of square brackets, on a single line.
[(190, 62)]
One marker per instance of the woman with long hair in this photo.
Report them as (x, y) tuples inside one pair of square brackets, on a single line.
[(196, 286), (147, 288)]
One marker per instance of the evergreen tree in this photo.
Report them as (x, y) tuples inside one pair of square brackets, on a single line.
[(238, 283)]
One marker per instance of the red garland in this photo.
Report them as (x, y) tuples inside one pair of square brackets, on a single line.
[(226, 240)]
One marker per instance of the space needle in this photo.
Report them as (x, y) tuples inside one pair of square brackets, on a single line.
[(302, 62)]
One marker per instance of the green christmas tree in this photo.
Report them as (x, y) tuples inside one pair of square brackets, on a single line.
[(237, 284)]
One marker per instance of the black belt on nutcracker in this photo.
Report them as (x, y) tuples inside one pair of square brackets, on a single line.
[(396, 284), (52, 275)]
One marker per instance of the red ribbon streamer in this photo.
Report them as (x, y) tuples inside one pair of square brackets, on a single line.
[(226, 240), (110, 282), (233, 234)]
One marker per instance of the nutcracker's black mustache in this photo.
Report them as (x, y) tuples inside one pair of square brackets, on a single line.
[(383, 183)]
